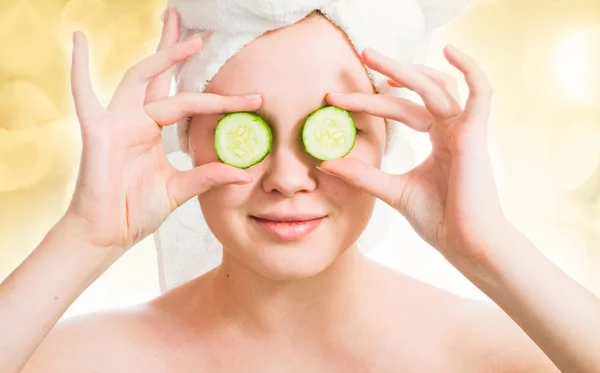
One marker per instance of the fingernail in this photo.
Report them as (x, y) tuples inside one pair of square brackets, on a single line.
[(252, 96), (336, 94), (166, 16)]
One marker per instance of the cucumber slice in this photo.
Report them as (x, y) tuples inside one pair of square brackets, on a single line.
[(242, 139), (329, 133)]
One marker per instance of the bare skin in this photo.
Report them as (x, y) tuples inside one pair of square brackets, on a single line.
[(313, 306), (189, 329)]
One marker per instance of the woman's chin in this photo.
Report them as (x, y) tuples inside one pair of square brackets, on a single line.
[(292, 262)]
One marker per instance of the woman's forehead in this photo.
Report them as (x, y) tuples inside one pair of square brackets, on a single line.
[(311, 57)]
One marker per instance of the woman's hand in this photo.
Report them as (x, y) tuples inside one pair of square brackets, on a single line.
[(126, 186), (450, 199)]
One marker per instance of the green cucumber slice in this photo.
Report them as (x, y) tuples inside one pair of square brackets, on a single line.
[(242, 139), (329, 133)]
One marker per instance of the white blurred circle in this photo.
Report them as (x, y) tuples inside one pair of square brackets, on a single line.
[(577, 62)]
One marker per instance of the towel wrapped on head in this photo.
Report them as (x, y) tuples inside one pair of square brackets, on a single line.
[(400, 29)]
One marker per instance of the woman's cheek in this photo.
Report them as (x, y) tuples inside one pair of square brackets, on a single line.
[(368, 149), (227, 197), (201, 139)]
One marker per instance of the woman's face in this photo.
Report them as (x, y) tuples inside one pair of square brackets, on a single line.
[(293, 68)]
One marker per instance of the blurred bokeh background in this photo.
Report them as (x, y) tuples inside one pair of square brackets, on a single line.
[(542, 57)]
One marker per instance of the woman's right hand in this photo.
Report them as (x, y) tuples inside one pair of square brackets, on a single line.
[(126, 187)]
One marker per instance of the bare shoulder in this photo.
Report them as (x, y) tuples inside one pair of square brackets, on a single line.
[(106, 341), (467, 334), (494, 342)]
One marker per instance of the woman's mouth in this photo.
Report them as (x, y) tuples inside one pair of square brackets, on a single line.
[(288, 230)]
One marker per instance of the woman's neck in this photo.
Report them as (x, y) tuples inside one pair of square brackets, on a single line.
[(293, 307)]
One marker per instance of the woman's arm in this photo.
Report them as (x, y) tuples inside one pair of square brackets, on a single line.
[(41, 289), (452, 202), (557, 313), (126, 188)]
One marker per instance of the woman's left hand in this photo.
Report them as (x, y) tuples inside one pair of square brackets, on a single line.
[(452, 202), (450, 199)]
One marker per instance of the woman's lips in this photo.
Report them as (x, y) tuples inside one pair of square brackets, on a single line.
[(289, 231)]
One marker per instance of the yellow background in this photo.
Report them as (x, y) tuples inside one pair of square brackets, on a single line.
[(542, 56)]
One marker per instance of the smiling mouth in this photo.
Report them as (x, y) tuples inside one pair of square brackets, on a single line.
[(288, 230), (291, 218)]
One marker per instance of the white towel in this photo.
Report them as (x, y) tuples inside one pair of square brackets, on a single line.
[(401, 29)]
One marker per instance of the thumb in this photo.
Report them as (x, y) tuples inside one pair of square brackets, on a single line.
[(190, 183), (387, 187)]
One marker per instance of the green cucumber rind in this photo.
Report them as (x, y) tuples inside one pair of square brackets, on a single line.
[(307, 120), (269, 139)]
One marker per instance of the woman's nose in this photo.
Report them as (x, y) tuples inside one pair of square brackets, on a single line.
[(289, 172)]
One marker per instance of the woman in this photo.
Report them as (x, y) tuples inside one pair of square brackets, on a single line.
[(309, 303)]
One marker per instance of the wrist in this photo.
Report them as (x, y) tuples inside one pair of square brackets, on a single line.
[(69, 233), (486, 262)]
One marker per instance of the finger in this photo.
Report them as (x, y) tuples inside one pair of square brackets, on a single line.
[(184, 185), (395, 84), (437, 100), (480, 90), (132, 88), (446, 81), (187, 104), (87, 105), (387, 187), (399, 109), (160, 86)]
